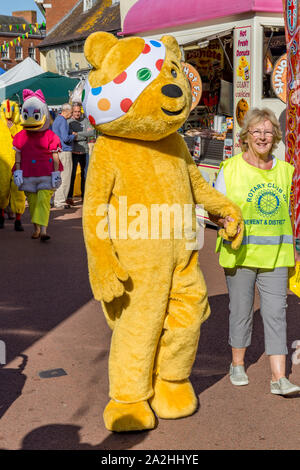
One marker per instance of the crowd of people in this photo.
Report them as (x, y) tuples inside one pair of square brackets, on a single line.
[(76, 136), (58, 142)]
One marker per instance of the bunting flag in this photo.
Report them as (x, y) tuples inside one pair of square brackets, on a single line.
[(17, 26), (292, 136), (33, 26)]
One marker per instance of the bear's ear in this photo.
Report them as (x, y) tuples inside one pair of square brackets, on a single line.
[(172, 44), (97, 46)]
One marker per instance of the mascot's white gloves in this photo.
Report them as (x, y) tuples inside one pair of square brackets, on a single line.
[(56, 179), (18, 177)]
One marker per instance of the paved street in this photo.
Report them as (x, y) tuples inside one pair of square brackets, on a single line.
[(49, 320)]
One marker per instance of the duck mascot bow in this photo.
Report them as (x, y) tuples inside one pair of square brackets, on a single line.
[(139, 224)]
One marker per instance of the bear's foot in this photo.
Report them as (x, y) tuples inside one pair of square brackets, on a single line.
[(173, 400), (122, 417)]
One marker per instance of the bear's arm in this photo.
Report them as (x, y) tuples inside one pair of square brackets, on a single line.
[(105, 271), (214, 202)]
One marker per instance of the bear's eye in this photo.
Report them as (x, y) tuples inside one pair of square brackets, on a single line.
[(174, 73)]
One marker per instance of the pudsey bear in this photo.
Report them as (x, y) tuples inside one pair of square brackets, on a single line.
[(143, 266)]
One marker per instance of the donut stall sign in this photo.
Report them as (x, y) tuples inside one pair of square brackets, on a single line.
[(279, 77), (195, 82)]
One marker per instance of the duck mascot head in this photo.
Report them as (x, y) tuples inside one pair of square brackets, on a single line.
[(35, 116)]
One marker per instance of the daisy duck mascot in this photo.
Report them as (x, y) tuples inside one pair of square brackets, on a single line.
[(37, 167)]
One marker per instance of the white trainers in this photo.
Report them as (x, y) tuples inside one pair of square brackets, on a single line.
[(238, 375), (284, 387)]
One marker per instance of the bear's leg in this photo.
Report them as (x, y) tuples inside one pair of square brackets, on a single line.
[(136, 333), (188, 308)]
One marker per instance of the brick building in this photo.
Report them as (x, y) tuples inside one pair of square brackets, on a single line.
[(12, 28), (69, 22)]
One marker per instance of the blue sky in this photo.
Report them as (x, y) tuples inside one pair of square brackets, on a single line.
[(8, 6)]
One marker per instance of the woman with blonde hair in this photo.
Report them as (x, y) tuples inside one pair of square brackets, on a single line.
[(260, 184)]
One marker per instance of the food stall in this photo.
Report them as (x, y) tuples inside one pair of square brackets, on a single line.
[(234, 46)]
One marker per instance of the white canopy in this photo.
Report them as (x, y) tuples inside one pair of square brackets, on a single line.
[(28, 68)]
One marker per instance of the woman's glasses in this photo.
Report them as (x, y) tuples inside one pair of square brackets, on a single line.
[(257, 133)]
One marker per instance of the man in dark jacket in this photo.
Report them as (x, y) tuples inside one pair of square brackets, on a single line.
[(80, 149)]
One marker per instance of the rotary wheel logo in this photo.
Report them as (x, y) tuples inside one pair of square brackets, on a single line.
[(267, 203)]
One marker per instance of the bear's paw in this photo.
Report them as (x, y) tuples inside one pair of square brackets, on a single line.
[(173, 400), (122, 417)]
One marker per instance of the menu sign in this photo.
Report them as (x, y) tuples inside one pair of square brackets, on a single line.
[(292, 135), (207, 59), (242, 79)]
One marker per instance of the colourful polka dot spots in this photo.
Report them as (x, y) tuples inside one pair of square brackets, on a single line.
[(92, 120), (155, 43), (96, 91), (146, 49), (144, 74), (104, 104), (120, 78), (125, 105), (159, 64), (108, 102), (83, 95)]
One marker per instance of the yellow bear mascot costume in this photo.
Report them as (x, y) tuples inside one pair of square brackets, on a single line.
[(152, 290), (9, 194)]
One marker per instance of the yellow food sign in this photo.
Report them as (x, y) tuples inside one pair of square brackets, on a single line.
[(279, 77), (195, 82)]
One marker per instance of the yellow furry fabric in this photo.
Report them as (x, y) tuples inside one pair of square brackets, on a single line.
[(173, 400), (119, 417), (9, 193), (150, 284)]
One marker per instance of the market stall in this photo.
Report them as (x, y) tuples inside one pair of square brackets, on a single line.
[(234, 47)]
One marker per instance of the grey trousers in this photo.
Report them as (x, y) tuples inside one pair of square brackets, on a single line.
[(61, 193), (272, 287)]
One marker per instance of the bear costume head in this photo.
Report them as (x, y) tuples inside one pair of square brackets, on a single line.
[(137, 88), (9, 111)]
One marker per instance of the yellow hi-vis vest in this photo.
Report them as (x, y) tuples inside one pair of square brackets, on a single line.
[(263, 197)]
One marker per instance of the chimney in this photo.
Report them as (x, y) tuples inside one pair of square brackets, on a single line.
[(28, 15)]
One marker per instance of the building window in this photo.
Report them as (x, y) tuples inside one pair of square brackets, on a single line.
[(19, 53), (274, 48), (76, 48), (31, 52), (5, 53), (87, 4), (63, 60)]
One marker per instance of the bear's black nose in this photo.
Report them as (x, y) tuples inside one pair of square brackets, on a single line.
[(172, 91)]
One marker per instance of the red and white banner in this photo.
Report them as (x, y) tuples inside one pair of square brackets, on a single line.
[(292, 136)]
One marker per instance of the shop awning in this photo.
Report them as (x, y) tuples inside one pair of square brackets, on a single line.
[(146, 16)]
